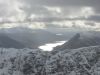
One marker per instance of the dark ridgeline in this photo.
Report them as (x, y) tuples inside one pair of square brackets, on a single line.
[(80, 40)]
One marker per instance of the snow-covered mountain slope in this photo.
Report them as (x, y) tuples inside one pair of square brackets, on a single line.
[(82, 61), (81, 40), (22, 62)]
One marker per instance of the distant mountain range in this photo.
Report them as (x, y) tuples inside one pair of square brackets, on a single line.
[(81, 40), (33, 38), (6, 42), (28, 38)]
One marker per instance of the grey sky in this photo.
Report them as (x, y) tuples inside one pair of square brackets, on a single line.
[(63, 13)]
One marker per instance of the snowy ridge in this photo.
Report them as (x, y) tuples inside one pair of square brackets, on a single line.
[(82, 61), (20, 61)]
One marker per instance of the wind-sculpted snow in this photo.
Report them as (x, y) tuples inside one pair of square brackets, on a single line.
[(82, 61)]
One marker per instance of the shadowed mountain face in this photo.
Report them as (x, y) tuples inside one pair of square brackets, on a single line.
[(81, 40), (33, 38), (6, 42), (30, 38)]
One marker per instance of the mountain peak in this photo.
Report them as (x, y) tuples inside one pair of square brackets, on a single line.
[(80, 40)]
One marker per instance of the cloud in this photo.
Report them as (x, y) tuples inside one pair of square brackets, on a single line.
[(64, 2), (11, 9), (51, 13), (95, 18)]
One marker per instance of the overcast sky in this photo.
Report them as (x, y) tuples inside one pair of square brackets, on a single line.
[(52, 13)]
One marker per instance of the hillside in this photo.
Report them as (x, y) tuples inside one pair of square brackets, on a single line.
[(81, 40), (82, 61)]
